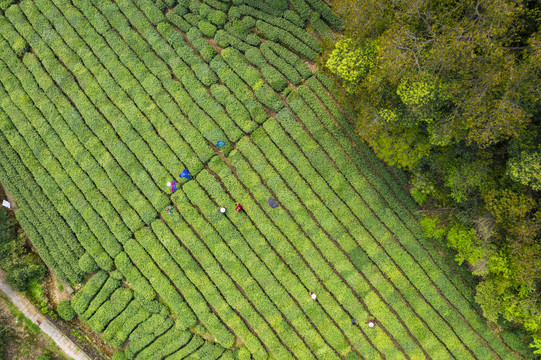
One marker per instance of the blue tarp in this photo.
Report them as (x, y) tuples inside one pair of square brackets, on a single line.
[(185, 174)]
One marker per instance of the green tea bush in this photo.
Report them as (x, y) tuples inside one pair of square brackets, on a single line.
[(234, 108), (234, 13), (15, 40), (192, 19), (238, 29), (87, 263), (82, 299), (166, 344), (65, 310), (134, 276), (262, 6), (217, 17), (302, 8), (425, 290), (179, 10), (292, 59), (94, 256), (154, 14), (294, 18), (195, 343), (225, 39), (239, 89), (209, 350), (159, 281), (285, 68), (105, 292), (326, 13), (239, 64), (192, 293), (319, 25), (217, 4), (205, 74), (118, 330), (267, 96), (271, 75), (289, 28), (119, 355), (71, 189), (207, 28), (178, 20), (146, 332), (110, 309)]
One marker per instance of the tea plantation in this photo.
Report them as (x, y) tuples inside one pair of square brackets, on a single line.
[(103, 102)]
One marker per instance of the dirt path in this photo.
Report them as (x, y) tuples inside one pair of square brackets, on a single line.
[(63, 342)]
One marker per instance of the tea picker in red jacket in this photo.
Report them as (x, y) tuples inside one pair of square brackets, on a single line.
[(371, 322)]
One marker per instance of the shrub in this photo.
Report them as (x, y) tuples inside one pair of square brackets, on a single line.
[(87, 263), (178, 21), (294, 18), (150, 9), (284, 67), (192, 19), (104, 294), (117, 275), (65, 310), (234, 13), (159, 281), (224, 39), (146, 332), (217, 17), (206, 50), (118, 301), (319, 25), (291, 58), (203, 9), (219, 5), (207, 28), (82, 299), (239, 64), (118, 330), (166, 344), (180, 10), (44, 357), (326, 13), (279, 5), (237, 28), (119, 355), (302, 8), (267, 96), (195, 343), (16, 41)]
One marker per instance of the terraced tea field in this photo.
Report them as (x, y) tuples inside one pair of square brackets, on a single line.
[(102, 103)]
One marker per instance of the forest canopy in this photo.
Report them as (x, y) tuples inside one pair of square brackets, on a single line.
[(450, 91)]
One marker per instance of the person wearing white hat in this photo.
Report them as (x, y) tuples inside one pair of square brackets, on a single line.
[(223, 209), (312, 295), (372, 322)]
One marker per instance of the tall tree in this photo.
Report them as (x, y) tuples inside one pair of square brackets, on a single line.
[(450, 91)]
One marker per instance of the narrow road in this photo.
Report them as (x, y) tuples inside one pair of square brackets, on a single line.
[(24, 306)]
